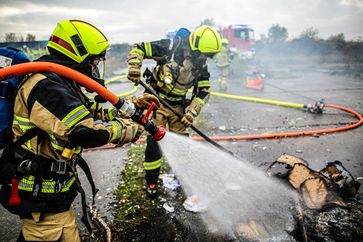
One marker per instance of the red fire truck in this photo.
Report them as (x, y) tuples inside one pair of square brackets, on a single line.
[(241, 39)]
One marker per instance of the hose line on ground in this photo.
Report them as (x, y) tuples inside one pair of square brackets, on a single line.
[(285, 134), (266, 101)]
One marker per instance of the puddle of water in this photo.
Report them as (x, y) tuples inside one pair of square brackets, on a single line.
[(232, 191)]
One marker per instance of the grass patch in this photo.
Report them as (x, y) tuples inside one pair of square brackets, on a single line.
[(135, 209)]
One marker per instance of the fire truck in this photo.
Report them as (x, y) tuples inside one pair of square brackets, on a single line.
[(241, 39)]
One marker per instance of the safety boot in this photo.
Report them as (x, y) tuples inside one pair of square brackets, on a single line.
[(152, 190)]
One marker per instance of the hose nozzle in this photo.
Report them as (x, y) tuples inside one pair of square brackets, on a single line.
[(158, 132), (317, 107)]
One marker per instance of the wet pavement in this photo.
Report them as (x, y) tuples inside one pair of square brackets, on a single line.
[(299, 84)]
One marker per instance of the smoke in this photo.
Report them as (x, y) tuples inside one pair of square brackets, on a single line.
[(232, 191)]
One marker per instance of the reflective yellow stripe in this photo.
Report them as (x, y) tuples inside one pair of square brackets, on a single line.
[(134, 61), (56, 144), (77, 149), (199, 100), (137, 51), (205, 83), (175, 90), (27, 183), (152, 165), (180, 92), (23, 123), (116, 131), (163, 96), (148, 50), (75, 115), (110, 113), (93, 107)]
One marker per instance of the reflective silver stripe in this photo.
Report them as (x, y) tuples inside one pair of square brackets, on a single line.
[(75, 115), (105, 123), (56, 144), (23, 123)]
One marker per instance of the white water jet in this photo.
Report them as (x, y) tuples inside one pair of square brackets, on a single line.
[(233, 191)]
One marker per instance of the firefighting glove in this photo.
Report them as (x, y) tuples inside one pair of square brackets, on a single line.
[(144, 101), (188, 119), (134, 75), (131, 131), (192, 112), (134, 64)]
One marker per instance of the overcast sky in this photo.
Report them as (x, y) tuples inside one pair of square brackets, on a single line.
[(141, 20)]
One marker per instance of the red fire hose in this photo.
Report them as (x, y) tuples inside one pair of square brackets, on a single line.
[(83, 80)]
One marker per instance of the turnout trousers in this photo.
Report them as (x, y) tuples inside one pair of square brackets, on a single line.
[(153, 155), (50, 227)]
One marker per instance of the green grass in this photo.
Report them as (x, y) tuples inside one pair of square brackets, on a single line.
[(134, 208)]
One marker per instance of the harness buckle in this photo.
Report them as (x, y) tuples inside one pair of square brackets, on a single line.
[(73, 163), (59, 167)]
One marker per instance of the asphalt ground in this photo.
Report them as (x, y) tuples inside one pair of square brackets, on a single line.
[(298, 84)]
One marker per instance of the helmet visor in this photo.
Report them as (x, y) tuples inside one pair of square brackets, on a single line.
[(98, 66)]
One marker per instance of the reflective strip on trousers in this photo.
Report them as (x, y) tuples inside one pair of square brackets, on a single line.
[(205, 83), (152, 165)]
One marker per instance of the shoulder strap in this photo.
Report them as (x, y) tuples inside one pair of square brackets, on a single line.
[(84, 166), (27, 136)]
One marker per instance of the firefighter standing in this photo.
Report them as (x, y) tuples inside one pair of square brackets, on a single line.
[(223, 61), (66, 122), (178, 69)]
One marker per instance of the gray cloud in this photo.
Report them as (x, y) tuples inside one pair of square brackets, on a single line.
[(132, 21)]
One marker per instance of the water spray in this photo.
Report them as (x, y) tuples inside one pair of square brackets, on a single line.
[(204, 136), (157, 132)]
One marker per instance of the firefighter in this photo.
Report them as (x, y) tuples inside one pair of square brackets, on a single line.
[(65, 122), (223, 61), (179, 67)]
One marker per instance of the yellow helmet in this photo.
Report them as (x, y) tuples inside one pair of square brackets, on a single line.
[(205, 39), (225, 41), (78, 40)]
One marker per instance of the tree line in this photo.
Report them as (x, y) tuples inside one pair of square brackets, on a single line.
[(13, 37), (309, 43)]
